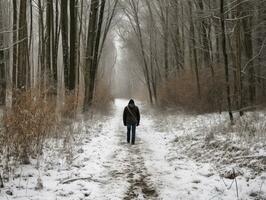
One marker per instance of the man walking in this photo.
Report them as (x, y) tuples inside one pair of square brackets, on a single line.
[(131, 118)]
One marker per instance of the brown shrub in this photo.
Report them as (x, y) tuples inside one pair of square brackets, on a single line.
[(31, 119), (182, 92), (69, 108), (103, 97)]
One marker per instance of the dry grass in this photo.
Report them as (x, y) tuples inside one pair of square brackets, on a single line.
[(37, 116), (31, 119), (34, 119), (182, 92), (70, 106), (251, 127), (103, 98)]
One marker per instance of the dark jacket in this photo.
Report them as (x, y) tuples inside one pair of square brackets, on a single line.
[(131, 114)]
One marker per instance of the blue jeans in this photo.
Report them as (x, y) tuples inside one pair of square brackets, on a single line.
[(129, 127)]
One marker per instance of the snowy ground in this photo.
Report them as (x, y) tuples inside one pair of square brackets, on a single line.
[(160, 165)]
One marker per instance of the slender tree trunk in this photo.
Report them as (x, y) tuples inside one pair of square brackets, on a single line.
[(79, 46), (205, 41), (49, 24), (55, 39), (1, 182), (23, 45), (183, 34), (247, 25), (238, 63), (226, 64), (166, 42), (73, 44), (95, 61), (3, 77), (41, 57), (32, 78), (65, 47), (29, 69), (89, 52), (23, 62), (15, 49), (195, 56), (152, 49)]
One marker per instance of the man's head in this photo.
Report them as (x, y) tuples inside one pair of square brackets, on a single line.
[(131, 102)]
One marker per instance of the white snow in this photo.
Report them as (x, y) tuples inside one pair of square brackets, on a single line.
[(104, 166)]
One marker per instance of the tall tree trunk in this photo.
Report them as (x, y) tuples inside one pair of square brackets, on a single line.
[(205, 41), (261, 30), (55, 41), (1, 182), (89, 52), (15, 49), (49, 24), (41, 56), (79, 42), (226, 64), (247, 25), (95, 61), (73, 44), (2, 61), (183, 34), (23, 62), (29, 74), (23, 45), (152, 49), (166, 42), (65, 47), (238, 62), (98, 36), (194, 50)]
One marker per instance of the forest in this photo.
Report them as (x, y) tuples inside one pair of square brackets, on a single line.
[(195, 68)]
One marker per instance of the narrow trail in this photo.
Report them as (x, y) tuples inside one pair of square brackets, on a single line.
[(149, 169), (141, 186), (127, 167), (139, 171)]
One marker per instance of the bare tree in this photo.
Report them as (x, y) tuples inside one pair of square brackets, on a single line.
[(73, 44), (23, 59), (89, 52), (15, 36), (2, 60), (95, 41), (65, 40), (226, 64)]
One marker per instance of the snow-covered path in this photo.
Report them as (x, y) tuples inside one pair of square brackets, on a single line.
[(106, 167), (148, 170)]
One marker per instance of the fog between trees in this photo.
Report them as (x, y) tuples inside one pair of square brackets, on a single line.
[(171, 52)]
